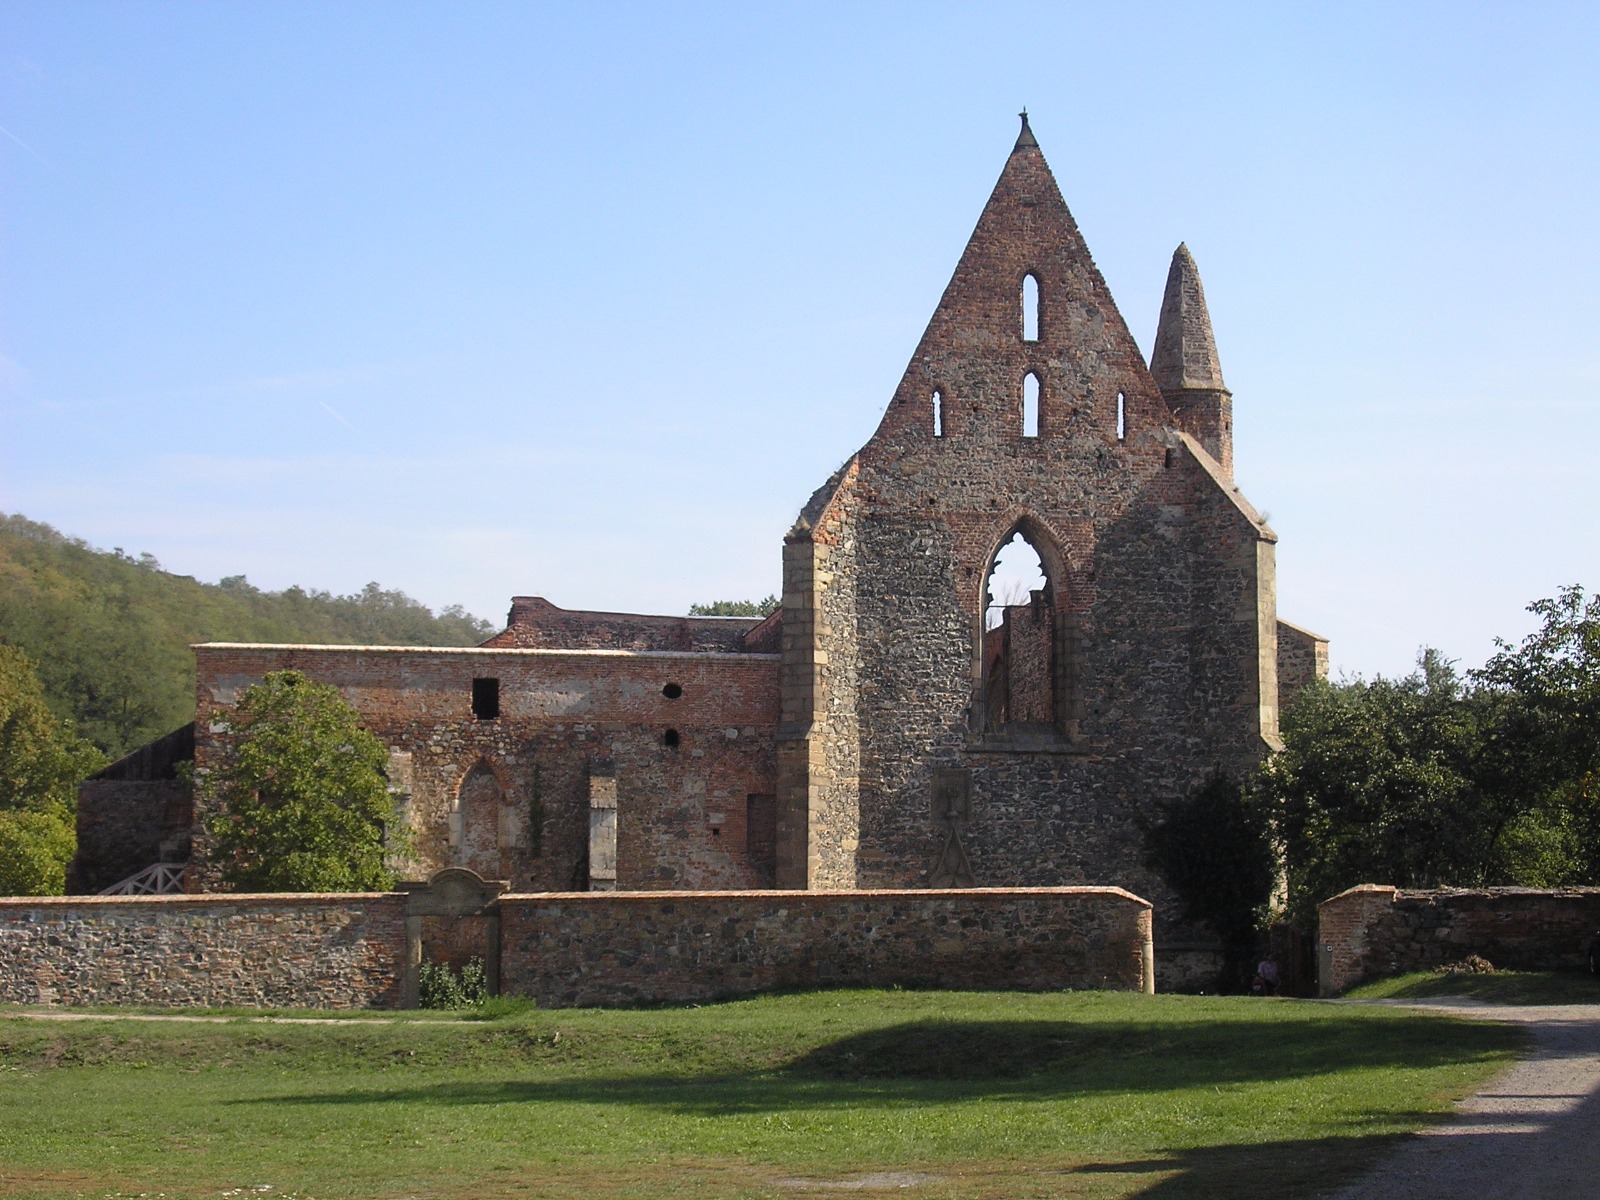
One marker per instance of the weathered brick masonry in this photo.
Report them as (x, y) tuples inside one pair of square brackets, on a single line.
[(299, 951), (354, 951), (1374, 931), (509, 796)]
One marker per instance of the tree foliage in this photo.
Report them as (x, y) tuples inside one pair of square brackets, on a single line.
[(41, 761), (302, 804), (1214, 847), (111, 633), (1440, 779), (735, 608)]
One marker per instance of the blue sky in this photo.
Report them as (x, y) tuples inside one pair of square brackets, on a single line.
[(479, 300)]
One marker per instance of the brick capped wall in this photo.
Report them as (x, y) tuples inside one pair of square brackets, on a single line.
[(535, 623), (619, 948), (1374, 931), (509, 797), (606, 948), (278, 951)]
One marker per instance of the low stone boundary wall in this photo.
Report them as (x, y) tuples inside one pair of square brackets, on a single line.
[(1373, 931), (268, 951), (609, 948), (563, 949)]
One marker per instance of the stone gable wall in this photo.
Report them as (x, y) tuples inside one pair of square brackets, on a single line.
[(1163, 588), (1375, 931), (268, 951), (681, 809)]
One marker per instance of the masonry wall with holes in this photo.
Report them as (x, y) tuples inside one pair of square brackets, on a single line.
[(502, 757)]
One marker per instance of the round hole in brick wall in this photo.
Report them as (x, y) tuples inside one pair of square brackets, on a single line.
[(672, 691), (670, 738)]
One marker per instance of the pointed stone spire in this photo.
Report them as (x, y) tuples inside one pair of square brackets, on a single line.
[(1185, 364), (1025, 139), (1185, 354)]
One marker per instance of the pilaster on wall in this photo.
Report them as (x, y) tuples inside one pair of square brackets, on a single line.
[(817, 801), (1344, 924), (602, 826)]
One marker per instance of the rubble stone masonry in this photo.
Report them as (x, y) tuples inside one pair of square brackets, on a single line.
[(269, 951), (1375, 931), (585, 948)]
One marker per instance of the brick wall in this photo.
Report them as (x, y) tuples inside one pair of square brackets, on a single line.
[(681, 807), (301, 951), (1374, 931), (617, 948), (536, 623)]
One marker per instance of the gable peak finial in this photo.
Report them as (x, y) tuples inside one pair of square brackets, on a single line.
[(1025, 138)]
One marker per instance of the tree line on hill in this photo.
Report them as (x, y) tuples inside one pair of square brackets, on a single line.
[(109, 633)]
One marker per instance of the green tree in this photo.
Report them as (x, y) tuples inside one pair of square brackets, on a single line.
[(301, 804), (1214, 847), (1545, 744), (1443, 780), (41, 762), (735, 608)]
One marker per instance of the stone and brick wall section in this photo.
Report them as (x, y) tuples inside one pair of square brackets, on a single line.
[(1373, 931), (640, 948), (271, 951), (565, 949)]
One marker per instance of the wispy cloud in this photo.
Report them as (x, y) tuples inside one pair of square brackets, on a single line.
[(24, 145), (328, 408)]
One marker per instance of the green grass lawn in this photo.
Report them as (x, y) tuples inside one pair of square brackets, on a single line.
[(969, 1094), (1502, 987)]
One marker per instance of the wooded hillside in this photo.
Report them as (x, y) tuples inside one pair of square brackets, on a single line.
[(111, 633)]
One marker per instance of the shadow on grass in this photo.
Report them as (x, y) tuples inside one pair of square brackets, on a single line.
[(929, 1062), (1263, 1171), (1501, 987)]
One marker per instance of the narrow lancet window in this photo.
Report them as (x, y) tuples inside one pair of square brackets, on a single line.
[(1030, 405), (1122, 417), (1030, 309), (938, 415)]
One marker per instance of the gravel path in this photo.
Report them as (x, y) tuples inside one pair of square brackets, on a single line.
[(1532, 1133)]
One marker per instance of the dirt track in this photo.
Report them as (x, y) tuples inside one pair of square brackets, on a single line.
[(1532, 1133)]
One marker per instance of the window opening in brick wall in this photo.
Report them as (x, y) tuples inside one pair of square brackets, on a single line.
[(1030, 308), (1122, 416), (670, 738), (938, 415), (486, 699), (1030, 405), (1019, 642), (761, 836), (672, 691)]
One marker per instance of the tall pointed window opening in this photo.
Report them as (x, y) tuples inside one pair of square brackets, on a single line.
[(1019, 642), (938, 415), (1030, 308), (482, 826), (1030, 405)]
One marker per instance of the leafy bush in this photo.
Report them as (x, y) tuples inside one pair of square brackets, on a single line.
[(41, 761), (441, 986)]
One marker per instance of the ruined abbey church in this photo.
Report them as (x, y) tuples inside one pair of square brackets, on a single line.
[(892, 725)]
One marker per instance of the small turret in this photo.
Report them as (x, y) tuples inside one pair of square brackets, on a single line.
[(1185, 365)]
